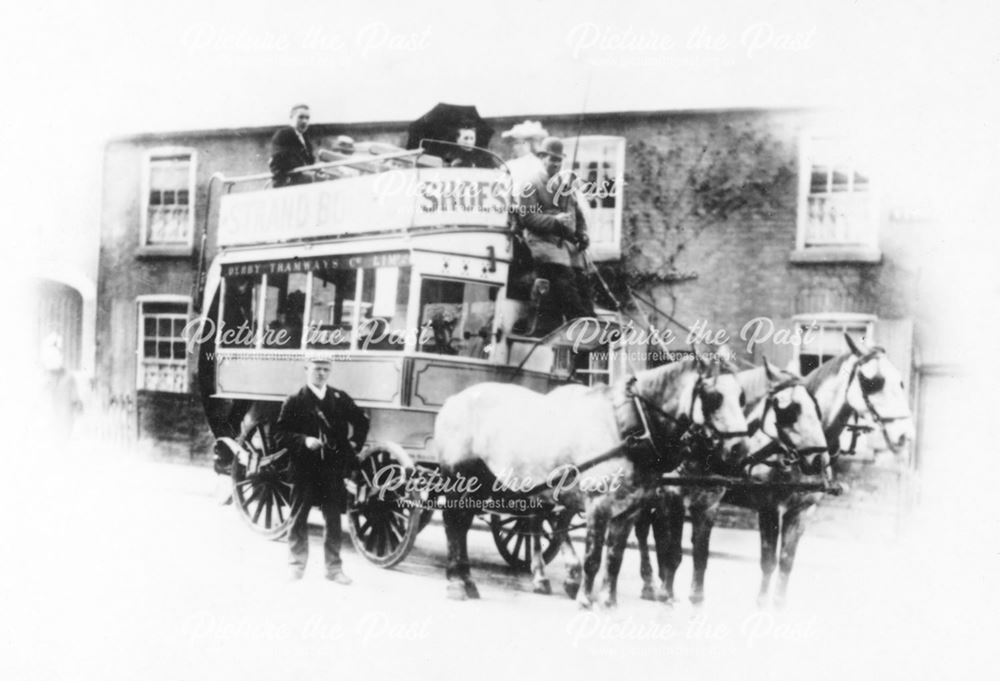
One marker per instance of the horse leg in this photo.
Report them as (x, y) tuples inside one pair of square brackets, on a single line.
[(792, 526), (703, 514), (540, 583), (597, 522), (768, 520), (456, 529), (642, 525), (668, 534), (572, 561), (619, 529)]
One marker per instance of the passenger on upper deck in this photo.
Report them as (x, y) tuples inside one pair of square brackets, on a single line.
[(525, 138), (466, 155), (551, 219), (291, 149), (343, 149)]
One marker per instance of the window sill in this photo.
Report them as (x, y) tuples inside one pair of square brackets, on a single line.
[(862, 255), (165, 251)]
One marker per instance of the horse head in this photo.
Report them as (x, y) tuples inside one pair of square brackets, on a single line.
[(787, 419), (875, 389), (717, 401)]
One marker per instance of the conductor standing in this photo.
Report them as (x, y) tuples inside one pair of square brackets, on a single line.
[(323, 429)]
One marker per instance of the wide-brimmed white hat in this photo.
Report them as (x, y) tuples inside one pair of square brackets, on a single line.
[(526, 131)]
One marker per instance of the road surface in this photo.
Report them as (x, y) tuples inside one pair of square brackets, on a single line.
[(117, 568)]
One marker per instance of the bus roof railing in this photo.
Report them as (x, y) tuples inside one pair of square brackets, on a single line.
[(363, 164)]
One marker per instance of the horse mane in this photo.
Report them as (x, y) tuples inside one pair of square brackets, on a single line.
[(823, 372), (655, 380)]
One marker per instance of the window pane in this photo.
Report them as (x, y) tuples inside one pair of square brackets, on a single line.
[(817, 183), (179, 350), (284, 304), (149, 349), (164, 308), (333, 302), (384, 295), (839, 181), (163, 328), (456, 317), (155, 197), (239, 307), (163, 350)]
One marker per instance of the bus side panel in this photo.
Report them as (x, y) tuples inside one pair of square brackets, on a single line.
[(368, 379), (434, 381)]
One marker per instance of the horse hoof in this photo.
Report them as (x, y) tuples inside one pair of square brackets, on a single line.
[(648, 593), (456, 591), (571, 589), (763, 602), (609, 603), (664, 596), (697, 598), (543, 587), (471, 591), (583, 600)]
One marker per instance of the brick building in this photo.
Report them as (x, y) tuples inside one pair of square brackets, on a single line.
[(719, 218)]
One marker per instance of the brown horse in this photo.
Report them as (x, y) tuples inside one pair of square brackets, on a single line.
[(566, 448), (784, 421), (856, 384)]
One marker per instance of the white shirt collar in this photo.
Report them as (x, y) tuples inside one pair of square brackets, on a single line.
[(319, 393)]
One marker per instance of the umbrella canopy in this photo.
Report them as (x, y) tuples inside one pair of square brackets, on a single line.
[(442, 123)]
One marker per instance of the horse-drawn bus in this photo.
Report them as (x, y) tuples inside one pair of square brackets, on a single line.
[(403, 273), (397, 269)]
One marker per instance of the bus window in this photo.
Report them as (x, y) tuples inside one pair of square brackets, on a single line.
[(284, 305), (331, 314), (239, 310), (384, 294), (456, 317)]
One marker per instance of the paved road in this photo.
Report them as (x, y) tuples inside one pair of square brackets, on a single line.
[(121, 569)]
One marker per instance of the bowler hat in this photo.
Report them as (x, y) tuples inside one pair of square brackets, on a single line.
[(551, 146)]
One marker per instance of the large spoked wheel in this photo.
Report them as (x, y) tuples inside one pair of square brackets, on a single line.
[(384, 519), (513, 534), (262, 490)]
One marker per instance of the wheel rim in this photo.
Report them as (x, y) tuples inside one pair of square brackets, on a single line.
[(263, 498), (512, 536), (383, 522)]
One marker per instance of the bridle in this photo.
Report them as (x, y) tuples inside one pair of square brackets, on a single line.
[(867, 387), (781, 445), (701, 437)]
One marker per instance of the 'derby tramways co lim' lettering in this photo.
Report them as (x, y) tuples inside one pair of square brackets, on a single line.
[(319, 263)]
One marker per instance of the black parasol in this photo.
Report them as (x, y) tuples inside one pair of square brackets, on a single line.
[(442, 123)]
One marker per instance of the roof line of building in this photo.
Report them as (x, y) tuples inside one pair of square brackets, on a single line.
[(340, 128)]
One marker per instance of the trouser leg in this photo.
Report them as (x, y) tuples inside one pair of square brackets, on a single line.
[(582, 284), (563, 298), (332, 537), (298, 532)]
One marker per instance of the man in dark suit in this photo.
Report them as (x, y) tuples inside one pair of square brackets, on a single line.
[(290, 149), (323, 429)]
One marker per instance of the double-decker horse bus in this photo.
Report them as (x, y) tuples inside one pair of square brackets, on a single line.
[(399, 270)]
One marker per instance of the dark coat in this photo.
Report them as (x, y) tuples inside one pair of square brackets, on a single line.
[(287, 153), (321, 473)]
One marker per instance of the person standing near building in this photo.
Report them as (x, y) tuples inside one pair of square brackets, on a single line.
[(60, 397), (291, 149), (323, 430)]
